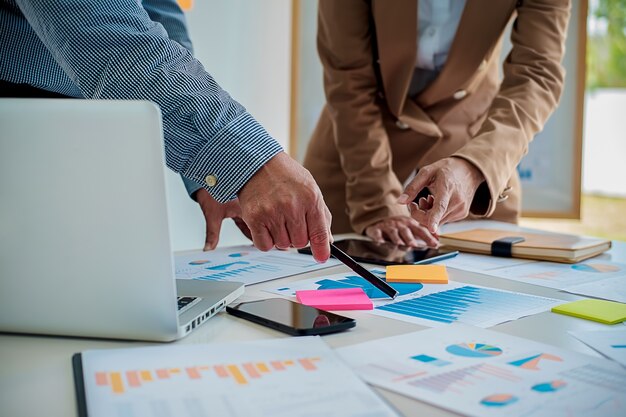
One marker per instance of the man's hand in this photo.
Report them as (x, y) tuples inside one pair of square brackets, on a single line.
[(452, 182), (283, 206), (400, 230), (215, 213)]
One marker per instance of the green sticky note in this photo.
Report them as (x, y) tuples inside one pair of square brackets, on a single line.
[(607, 312)]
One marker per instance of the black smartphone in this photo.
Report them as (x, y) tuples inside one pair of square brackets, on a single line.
[(388, 254), (291, 317)]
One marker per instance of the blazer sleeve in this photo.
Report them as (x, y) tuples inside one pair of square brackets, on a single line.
[(529, 93), (344, 44)]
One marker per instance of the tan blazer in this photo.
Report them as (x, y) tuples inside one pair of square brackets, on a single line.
[(371, 136)]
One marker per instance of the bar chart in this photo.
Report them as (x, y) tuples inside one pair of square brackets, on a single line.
[(290, 377), (241, 374), (467, 304), (241, 272), (457, 381), (434, 305), (244, 264)]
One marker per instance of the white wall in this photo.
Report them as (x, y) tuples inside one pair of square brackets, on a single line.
[(604, 170), (246, 46), (310, 81)]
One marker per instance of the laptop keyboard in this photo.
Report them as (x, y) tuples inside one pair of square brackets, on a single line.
[(186, 302)]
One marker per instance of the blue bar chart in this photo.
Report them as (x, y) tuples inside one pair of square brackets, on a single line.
[(225, 274), (434, 305), (466, 304), (244, 264)]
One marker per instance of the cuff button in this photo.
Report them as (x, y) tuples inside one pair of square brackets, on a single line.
[(211, 180)]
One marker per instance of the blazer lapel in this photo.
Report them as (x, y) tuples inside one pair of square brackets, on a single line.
[(396, 34), (481, 25)]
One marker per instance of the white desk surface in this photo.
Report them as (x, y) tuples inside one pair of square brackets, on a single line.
[(36, 372)]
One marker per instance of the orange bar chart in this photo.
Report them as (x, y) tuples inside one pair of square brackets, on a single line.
[(241, 374)]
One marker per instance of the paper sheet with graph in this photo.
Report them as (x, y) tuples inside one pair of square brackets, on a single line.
[(278, 378), (545, 274), (478, 372), (433, 304), (245, 264), (611, 343)]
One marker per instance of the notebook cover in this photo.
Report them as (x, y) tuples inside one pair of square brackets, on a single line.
[(480, 240)]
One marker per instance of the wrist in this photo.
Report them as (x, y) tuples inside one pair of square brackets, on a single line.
[(472, 172)]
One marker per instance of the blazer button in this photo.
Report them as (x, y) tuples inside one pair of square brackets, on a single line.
[(401, 125), (211, 180), (459, 94)]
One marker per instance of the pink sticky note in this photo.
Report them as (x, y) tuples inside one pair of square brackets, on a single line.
[(337, 299)]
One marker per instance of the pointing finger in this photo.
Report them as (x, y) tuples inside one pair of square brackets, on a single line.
[(421, 180)]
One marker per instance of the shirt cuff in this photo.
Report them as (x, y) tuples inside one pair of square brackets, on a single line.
[(191, 186), (232, 157)]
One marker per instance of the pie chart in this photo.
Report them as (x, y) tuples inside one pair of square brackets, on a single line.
[(498, 400), (200, 262), (550, 386), (238, 254), (474, 350)]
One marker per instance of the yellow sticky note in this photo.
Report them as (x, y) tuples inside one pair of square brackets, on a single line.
[(607, 312), (426, 274)]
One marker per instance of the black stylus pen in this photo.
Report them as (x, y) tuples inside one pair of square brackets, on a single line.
[(356, 267)]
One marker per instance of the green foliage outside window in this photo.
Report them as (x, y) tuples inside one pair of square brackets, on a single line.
[(606, 50)]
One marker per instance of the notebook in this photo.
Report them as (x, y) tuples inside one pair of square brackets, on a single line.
[(556, 247), (84, 234)]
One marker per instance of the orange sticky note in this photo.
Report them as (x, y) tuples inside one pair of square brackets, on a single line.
[(425, 274)]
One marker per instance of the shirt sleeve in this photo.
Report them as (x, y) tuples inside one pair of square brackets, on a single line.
[(114, 50), (169, 14), (529, 93)]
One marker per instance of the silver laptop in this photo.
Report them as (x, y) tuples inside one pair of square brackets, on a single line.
[(84, 235)]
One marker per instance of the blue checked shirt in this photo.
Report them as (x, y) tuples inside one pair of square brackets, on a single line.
[(130, 49)]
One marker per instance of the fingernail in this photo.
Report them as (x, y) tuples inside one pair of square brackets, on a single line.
[(435, 227), (403, 199)]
